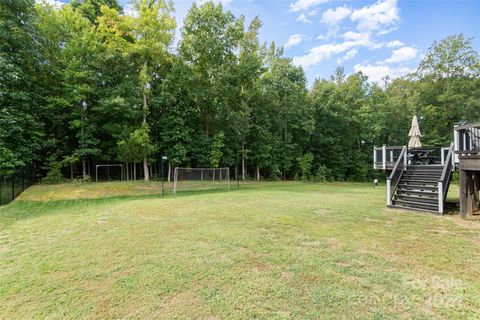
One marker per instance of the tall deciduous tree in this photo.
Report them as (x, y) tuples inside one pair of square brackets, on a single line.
[(145, 37), (448, 87), (21, 129), (210, 38), (91, 9)]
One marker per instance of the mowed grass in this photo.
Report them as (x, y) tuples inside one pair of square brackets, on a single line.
[(266, 251)]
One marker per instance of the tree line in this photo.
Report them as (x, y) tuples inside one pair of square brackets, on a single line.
[(85, 84)]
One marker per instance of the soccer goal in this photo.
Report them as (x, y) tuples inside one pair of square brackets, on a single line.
[(200, 179), (108, 172)]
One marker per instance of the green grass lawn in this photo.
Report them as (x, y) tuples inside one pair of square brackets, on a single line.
[(266, 251)]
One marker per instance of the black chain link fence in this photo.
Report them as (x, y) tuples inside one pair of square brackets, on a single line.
[(14, 184)]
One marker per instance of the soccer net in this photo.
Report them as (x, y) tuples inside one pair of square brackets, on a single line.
[(108, 172), (200, 179)]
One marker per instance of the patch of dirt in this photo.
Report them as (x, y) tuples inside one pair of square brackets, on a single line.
[(467, 224), (259, 267), (315, 243), (335, 244), (184, 303), (287, 275), (322, 211)]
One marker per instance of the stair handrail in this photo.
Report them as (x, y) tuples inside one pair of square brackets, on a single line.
[(444, 178), (395, 176)]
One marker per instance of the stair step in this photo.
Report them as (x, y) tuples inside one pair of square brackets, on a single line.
[(405, 207), (421, 171), (419, 182), (425, 166), (418, 199), (416, 205), (431, 193), (417, 187), (422, 174), (435, 169), (416, 177)]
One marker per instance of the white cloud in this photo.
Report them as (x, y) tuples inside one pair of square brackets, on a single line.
[(377, 16), (369, 21), (402, 54), (53, 3), (395, 43), (353, 40), (376, 73), (322, 52), (356, 36), (332, 17), (386, 31), (303, 18), (293, 40), (300, 5), (349, 56)]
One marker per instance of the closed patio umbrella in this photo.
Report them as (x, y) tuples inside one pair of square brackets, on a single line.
[(414, 134)]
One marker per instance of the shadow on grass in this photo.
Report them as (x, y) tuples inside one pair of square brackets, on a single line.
[(26, 209)]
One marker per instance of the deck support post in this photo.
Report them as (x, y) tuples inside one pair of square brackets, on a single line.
[(389, 192), (440, 196)]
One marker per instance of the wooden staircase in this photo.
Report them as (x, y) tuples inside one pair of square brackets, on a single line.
[(417, 188)]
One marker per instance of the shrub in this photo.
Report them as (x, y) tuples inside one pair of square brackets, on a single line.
[(54, 175)]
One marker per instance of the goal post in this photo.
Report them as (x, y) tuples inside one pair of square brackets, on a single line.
[(200, 179), (108, 172)]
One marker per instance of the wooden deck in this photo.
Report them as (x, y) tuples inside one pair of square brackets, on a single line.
[(467, 145)]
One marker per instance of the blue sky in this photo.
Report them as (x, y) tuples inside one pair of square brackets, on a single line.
[(384, 37)]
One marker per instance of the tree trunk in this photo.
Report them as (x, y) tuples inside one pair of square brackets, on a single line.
[(207, 127), (145, 109), (126, 172), (169, 171), (134, 171), (71, 172), (243, 161), (258, 173), (84, 170)]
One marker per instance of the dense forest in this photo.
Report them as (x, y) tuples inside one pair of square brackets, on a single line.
[(84, 84)]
